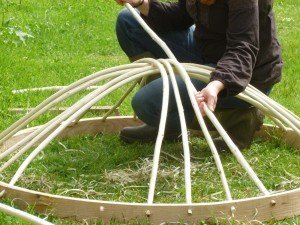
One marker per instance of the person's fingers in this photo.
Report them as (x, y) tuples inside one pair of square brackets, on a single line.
[(201, 109), (211, 103), (199, 97), (119, 2)]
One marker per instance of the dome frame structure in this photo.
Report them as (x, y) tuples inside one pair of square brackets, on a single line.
[(15, 141)]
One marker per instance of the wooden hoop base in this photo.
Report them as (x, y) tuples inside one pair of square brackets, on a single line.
[(277, 206)]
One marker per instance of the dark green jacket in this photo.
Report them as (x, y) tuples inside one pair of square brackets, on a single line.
[(239, 35)]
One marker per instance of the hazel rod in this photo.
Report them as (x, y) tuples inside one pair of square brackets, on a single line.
[(235, 151), (14, 128), (184, 135), (85, 103), (191, 90), (161, 129), (45, 107), (38, 134), (23, 215)]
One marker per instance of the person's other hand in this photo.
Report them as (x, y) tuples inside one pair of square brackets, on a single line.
[(131, 2), (141, 5), (209, 95)]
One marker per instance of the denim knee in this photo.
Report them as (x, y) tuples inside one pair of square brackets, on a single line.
[(122, 22), (147, 107)]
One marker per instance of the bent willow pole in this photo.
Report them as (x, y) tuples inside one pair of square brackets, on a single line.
[(15, 141), (23, 215)]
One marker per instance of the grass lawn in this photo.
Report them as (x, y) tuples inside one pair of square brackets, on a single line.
[(54, 43)]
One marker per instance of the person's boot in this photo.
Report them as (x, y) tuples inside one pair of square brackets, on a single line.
[(194, 125), (146, 134), (240, 125)]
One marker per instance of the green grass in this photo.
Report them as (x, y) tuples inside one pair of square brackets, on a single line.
[(288, 24), (54, 43)]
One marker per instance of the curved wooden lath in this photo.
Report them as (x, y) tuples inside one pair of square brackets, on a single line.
[(275, 206)]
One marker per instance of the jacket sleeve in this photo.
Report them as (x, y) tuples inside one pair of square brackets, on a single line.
[(167, 16), (235, 67)]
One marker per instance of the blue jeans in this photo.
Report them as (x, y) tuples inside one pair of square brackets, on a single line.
[(147, 102)]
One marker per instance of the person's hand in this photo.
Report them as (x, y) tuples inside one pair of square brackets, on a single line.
[(143, 5), (209, 95), (133, 3)]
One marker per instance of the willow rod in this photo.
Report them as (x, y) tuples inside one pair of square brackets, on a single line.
[(184, 134), (161, 130), (48, 104), (191, 91), (23, 215), (37, 135), (41, 108), (73, 113)]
